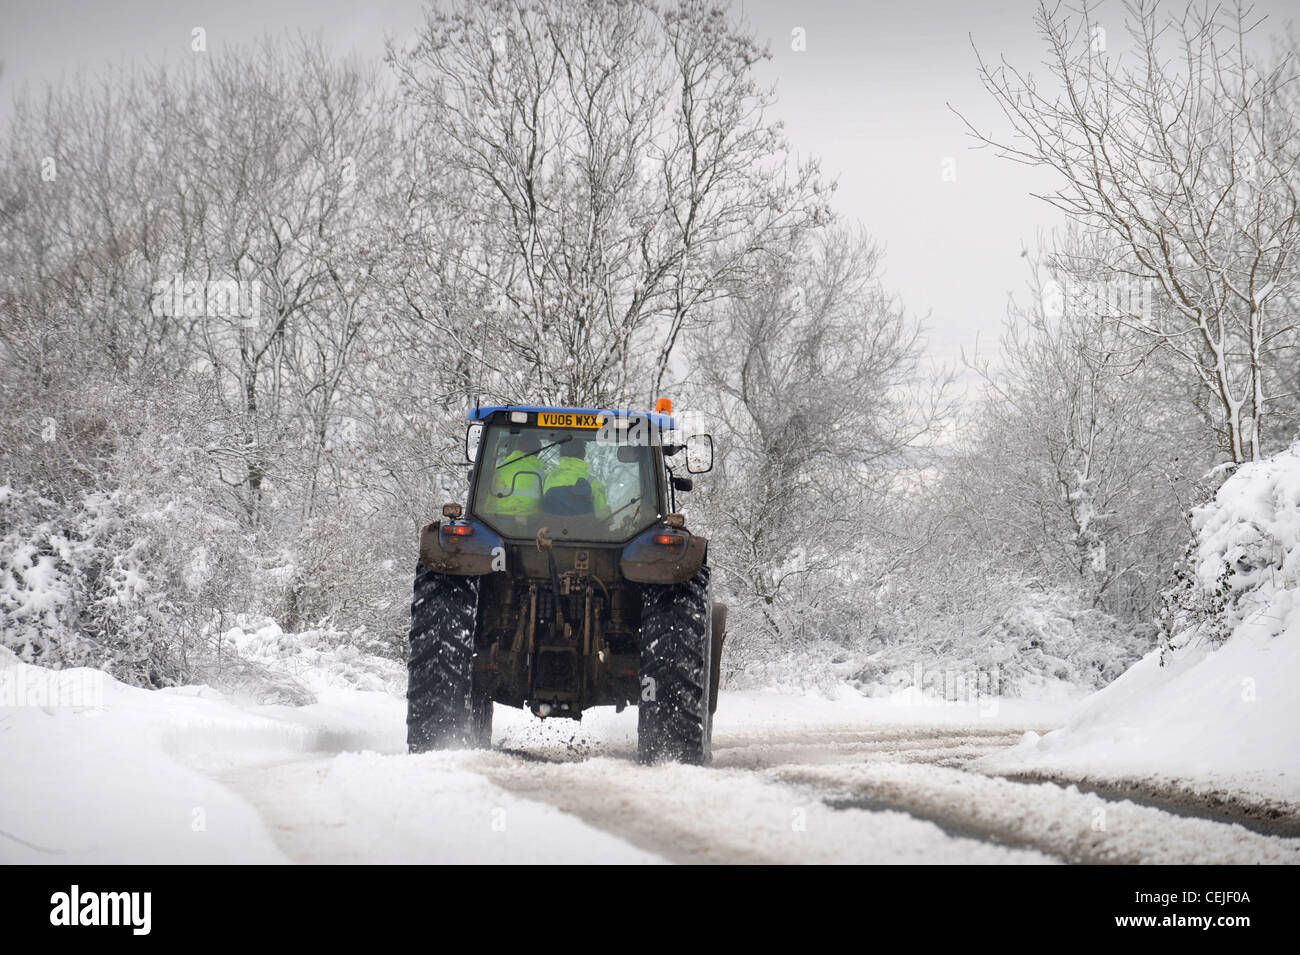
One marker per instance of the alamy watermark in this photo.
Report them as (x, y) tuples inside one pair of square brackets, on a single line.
[(36, 687), (128, 909), (178, 297), (972, 685), (1126, 297)]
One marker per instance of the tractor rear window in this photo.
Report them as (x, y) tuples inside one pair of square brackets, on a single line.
[(566, 480)]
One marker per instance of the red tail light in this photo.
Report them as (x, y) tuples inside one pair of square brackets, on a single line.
[(458, 530), (668, 540)]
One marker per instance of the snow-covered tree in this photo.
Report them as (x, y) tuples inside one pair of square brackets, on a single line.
[(1182, 160), (610, 172), (1077, 466), (814, 377)]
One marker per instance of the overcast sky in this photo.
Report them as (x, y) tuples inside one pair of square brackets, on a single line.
[(869, 95)]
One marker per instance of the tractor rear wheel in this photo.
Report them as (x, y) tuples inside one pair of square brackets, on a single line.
[(440, 703), (674, 720)]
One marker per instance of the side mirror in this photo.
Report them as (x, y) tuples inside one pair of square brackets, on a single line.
[(699, 453), (473, 435), (628, 454), (683, 484)]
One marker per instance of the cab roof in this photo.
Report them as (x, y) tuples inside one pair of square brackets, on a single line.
[(656, 418)]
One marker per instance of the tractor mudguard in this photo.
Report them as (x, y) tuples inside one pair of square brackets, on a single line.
[(646, 562), (470, 556)]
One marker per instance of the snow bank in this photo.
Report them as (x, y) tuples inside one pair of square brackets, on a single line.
[(88, 777), (1218, 707), (95, 771)]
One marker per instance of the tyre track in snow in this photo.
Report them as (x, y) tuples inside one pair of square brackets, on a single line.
[(814, 795), (689, 814), (1058, 832), (1075, 826), (616, 802), (946, 747), (940, 745), (923, 772), (1258, 814)]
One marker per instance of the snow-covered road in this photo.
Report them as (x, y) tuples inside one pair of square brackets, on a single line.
[(560, 792), (794, 780), (190, 775)]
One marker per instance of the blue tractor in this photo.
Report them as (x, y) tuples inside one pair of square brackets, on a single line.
[(569, 580)]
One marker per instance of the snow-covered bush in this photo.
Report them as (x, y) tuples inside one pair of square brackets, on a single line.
[(1245, 556), (1053, 635), (76, 589), (1028, 638), (79, 580), (1034, 637), (307, 662)]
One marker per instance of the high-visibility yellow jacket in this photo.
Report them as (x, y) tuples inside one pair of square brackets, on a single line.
[(571, 470), (526, 496)]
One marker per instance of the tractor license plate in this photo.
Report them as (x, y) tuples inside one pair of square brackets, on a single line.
[(547, 419)]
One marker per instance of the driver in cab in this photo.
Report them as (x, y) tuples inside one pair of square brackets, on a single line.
[(518, 488), (569, 486)]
